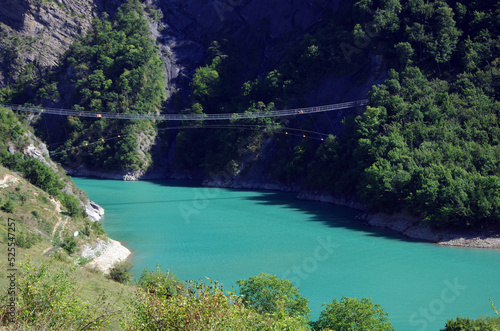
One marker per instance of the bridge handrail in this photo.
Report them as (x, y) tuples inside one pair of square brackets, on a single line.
[(188, 117)]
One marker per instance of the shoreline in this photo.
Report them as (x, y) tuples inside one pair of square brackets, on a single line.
[(413, 227), (407, 225), (103, 253)]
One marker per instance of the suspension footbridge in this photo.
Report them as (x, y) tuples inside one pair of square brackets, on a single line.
[(188, 117)]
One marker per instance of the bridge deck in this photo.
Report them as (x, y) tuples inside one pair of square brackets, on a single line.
[(189, 117)]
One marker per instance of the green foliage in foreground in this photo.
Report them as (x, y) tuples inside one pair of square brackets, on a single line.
[(353, 315), (46, 301), (467, 324), (202, 307), (487, 323), (48, 298), (270, 295)]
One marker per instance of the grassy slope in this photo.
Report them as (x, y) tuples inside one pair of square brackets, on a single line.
[(42, 218)]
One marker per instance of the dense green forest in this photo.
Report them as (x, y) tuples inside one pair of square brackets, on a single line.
[(116, 68), (428, 142)]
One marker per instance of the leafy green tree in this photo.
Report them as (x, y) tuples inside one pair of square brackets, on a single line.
[(41, 175), (386, 20), (204, 83), (352, 314), (404, 53), (269, 294)]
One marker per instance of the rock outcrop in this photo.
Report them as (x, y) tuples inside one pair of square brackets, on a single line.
[(94, 211), (262, 26), (104, 254), (39, 32), (415, 228)]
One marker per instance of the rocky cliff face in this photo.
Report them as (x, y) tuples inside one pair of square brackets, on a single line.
[(262, 26), (38, 32)]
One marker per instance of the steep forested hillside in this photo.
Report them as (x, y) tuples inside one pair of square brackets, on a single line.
[(430, 139), (428, 142)]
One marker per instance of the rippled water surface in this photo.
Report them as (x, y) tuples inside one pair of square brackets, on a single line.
[(233, 234)]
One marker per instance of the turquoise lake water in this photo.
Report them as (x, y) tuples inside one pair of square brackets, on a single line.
[(234, 234)]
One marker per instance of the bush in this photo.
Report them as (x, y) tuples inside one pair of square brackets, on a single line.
[(72, 204), (352, 314), (97, 228), (86, 230), (26, 240), (69, 245), (467, 324), (121, 272), (8, 207), (41, 175), (203, 307), (159, 283)]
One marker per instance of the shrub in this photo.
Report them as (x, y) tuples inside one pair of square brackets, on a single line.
[(69, 245), (27, 239), (86, 229), (72, 204), (467, 324), (8, 207), (159, 282), (97, 228), (46, 300), (202, 307), (121, 272)]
